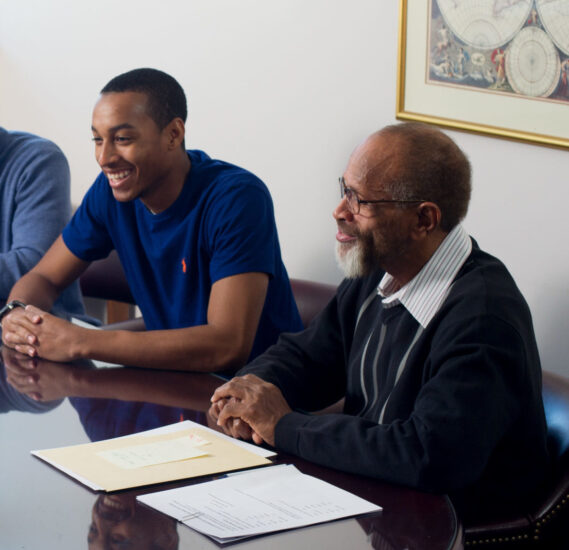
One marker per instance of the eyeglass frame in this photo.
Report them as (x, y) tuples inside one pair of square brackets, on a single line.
[(345, 190)]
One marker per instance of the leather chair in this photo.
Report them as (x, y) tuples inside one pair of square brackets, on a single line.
[(105, 279), (547, 526), (311, 297)]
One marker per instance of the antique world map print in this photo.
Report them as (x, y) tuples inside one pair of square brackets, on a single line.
[(518, 47)]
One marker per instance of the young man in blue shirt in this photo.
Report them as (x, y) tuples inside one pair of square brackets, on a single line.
[(196, 237)]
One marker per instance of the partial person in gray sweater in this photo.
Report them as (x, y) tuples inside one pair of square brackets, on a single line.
[(34, 207), (428, 340)]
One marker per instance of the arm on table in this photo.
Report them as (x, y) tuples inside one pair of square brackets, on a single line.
[(459, 416), (225, 342), (234, 310), (39, 288), (303, 370)]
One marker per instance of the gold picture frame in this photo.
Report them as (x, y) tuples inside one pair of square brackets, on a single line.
[(490, 112)]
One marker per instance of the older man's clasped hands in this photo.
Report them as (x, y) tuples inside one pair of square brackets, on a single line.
[(247, 407)]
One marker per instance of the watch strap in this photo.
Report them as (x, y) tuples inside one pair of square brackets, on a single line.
[(9, 307)]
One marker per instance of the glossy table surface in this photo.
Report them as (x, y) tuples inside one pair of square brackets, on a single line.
[(55, 405)]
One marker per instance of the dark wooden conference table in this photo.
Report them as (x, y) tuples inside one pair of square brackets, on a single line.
[(61, 404)]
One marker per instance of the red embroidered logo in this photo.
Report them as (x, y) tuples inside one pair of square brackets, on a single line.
[(184, 265)]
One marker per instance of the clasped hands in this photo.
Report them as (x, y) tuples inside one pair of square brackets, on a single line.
[(36, 333), (247, 407)]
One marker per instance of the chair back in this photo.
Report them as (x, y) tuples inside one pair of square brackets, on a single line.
[(556, 403), (105, 279), (311, 297), (546, 526)]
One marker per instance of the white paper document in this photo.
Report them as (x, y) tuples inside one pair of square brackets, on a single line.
[(253, 503)]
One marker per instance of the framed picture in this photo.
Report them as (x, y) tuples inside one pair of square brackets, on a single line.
[(497, 67)]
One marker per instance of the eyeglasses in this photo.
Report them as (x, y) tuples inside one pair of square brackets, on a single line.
[(354, 202)]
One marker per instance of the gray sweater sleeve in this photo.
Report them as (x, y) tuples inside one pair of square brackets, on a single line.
[(34, 188)]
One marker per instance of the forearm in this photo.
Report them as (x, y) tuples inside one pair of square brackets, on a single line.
[(400, 452), (438, 436), (224, 343), (204, 348), (34, 289)]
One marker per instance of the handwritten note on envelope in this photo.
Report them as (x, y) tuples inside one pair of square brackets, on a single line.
[(154, 456), (147, 454)]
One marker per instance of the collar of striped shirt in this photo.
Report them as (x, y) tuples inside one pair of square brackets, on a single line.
[(423, 295)]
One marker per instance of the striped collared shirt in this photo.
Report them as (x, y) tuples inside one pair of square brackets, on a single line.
[(423, 295)]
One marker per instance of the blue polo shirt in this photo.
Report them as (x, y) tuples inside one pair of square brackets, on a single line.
[(222, 224)]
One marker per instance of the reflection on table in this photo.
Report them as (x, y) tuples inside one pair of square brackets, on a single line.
[(68, 399), (118, 521)]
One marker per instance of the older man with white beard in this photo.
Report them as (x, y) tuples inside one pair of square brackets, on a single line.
[(428, 340)]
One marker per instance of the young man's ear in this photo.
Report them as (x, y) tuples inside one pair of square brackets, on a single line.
[(176, 132)]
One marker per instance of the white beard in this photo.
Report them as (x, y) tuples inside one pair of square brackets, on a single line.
[(350, 260)]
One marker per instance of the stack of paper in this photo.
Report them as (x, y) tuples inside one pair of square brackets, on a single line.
[(179, 451), (257, 502)]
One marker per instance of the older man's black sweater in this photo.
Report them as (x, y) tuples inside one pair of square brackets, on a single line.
[(451, 408)]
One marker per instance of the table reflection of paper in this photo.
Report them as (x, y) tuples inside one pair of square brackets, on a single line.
[(253, 503), (147, 454)]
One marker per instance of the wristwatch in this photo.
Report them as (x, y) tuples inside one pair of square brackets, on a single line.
[(9, 307)]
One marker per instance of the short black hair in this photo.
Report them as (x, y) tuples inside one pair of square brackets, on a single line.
[(166, 98)]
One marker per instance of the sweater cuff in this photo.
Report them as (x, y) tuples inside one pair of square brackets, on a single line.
[(287, 432)]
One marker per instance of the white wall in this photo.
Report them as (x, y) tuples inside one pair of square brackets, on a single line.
[(285, 88)]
